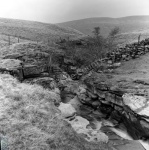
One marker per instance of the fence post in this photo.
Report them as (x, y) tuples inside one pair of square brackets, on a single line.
[(9, 39), (139, 38)]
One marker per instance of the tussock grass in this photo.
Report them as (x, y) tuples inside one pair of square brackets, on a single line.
[(30, 121)]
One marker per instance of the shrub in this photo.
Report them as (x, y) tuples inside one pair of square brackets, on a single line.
[(91, 47)]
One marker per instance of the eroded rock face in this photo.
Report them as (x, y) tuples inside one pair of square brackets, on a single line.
[(33, 70), (45, 82), (70, 89), (28, 52), (13, 67), (124, 101), (134, 102)]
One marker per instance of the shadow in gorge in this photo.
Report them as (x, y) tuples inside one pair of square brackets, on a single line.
[(115, 125)]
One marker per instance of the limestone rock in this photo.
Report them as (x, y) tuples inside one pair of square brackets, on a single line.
[(75, 103), (80, 125), (45, 82), (32, 70), (12, 66), (67, 110), (30, 53), (113, 99), (134, 102), (144, 111)]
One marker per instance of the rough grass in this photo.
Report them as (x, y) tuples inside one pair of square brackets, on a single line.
[(28, 52), (35, 31), (30, 121)]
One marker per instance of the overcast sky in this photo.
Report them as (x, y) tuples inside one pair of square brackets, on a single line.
[(54, 11)]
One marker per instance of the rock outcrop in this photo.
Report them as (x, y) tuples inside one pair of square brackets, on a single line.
[(13, 67), (67, 110), (81, 125), (89, 107), (125, 106)]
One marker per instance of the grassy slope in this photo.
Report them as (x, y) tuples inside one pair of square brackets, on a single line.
[(128, 25), (29, 52), (35, 31), (29, 119), (4, 40), (25, 48)]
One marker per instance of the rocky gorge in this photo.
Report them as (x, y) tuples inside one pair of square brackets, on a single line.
[(108, 111), (101, 103)]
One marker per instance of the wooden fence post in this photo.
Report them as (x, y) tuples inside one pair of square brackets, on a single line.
[(9, 39), (139, 38)]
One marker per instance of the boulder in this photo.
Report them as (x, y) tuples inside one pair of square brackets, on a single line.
[(81, 126), (13, 67), (75, 103), (45, 82), (134, 102), (33, 70), (67, 110)]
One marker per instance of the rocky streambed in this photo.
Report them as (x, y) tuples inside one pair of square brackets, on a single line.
[(103, 111)]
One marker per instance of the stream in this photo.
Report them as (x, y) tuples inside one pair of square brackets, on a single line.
[(101, 119), (98, 122), (120, 132), (125, 135)]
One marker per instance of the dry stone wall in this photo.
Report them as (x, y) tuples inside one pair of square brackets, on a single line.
[(114, 58)]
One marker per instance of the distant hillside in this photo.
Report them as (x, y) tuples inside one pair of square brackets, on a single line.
[(35, 31), (131, 26)]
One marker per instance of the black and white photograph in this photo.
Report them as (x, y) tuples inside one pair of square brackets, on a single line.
[(74, 74)]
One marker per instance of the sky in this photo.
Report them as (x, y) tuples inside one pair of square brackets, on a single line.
[(56, 11)]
